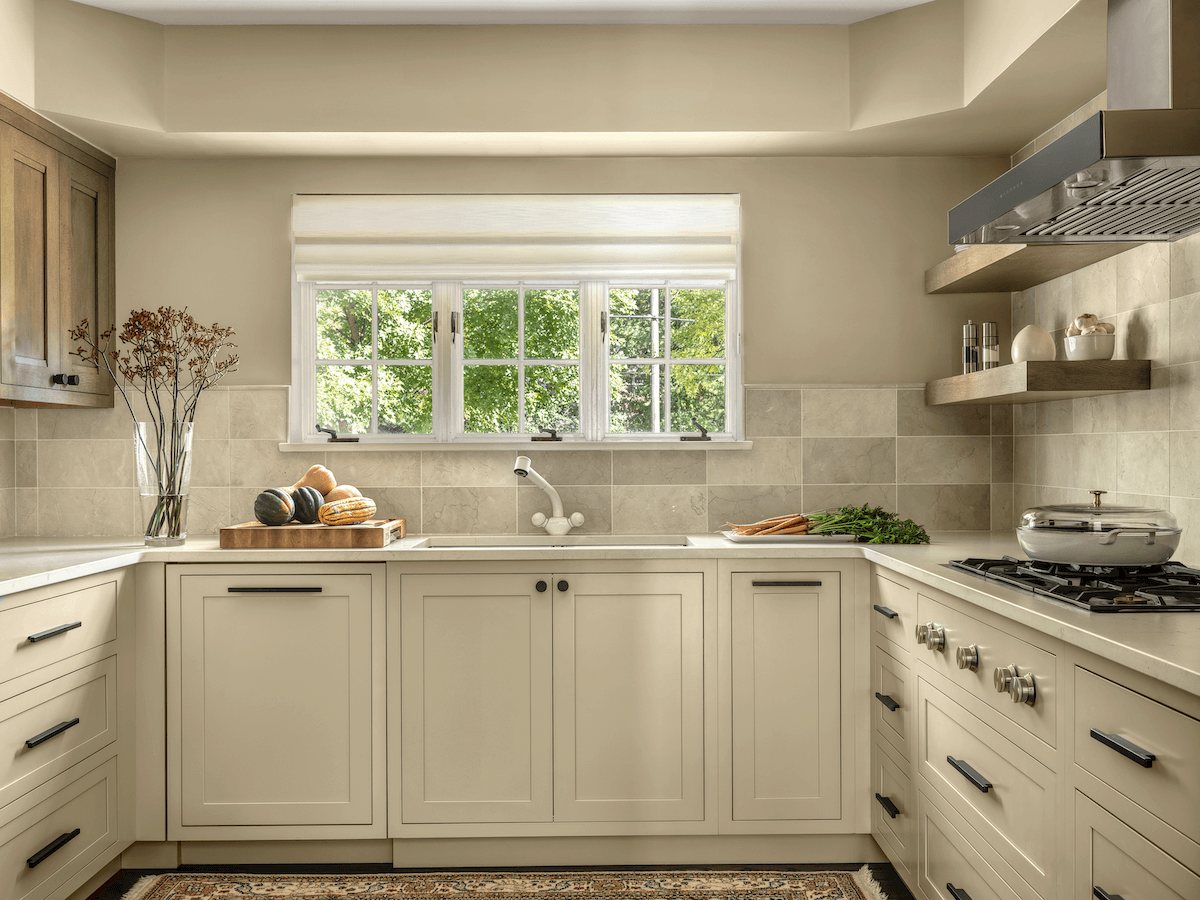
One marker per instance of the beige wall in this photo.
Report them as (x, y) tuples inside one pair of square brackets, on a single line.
[(834, 250), (16, 49)]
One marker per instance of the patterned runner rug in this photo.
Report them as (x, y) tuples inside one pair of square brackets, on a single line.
[(675, 884)]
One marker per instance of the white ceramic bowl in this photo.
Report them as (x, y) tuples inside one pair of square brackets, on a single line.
[(1090, 346)]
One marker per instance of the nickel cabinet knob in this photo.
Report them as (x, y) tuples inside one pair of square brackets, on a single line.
[(967, 657)]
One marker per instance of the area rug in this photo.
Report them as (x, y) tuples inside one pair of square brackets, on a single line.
[(673, 884)]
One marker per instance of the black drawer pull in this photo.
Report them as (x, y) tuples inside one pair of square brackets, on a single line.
[(970, 774), (957, 893), (888, 806), (51, 632), (887, 701), (275, 590), (1143, 758), (50, 732), (785, 584), (55, 845), (1101, 894), (890, 613)]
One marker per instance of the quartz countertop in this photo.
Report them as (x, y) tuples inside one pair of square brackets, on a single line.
[(1165, 646)]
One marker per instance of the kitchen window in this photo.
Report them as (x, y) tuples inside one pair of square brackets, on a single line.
[(590, 317)]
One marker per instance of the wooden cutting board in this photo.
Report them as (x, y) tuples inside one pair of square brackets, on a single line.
[(257, 536)]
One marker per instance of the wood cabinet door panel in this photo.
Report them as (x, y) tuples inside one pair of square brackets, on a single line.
[(86, 277)]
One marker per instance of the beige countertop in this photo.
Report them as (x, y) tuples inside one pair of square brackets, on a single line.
[(1165, 646)]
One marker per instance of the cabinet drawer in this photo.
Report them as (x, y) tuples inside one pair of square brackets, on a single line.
[(896, 834), (996, 649), (87, 698), (89, 804), (30, 623), (894, 612), (1016, 814), (1111, 856), (892, 683), (1170, 786), (947, 858)]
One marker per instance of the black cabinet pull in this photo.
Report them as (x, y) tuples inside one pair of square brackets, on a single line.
[(50, 732), (887, 701), (890, 613), (51, 632), (785, 583), (541, 587), (55, 845), (957, 893), (970, 774), (1101, 894), (888, 806), (1143, 758), (275, 590), (63, 378), (562, 585)]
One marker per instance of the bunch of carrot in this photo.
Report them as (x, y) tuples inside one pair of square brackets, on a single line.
[(789, 524)]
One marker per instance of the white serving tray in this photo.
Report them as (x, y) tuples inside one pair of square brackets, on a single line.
[(790, 538)]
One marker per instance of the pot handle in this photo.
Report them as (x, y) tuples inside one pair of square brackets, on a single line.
[(1110, 537)]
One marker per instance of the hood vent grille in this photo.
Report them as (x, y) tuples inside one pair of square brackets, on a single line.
[(1155, 204)]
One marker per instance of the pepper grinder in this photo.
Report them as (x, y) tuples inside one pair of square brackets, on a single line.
[(970, 347), (991, 346)]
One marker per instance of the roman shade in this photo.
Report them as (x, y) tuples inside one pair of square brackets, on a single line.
[(480, 237)]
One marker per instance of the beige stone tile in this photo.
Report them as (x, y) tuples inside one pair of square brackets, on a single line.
[(663, 466), (773, 413), (1002, 459), (771, 461), (210, 463), (1054, 460), (1143, 276), (915, 418), (258, 414), (574, 466), (468, 468), (1185, 464), (469, 510), (1054, 417), (659, 509), (241, 504), (1187, 515), (261, 464), (208, 510), (394, 469), (8, 513), (397, 503), (8, 468), (1002, 418), (88, 512), (742, 504), (943, 460), (1055, 303), (1185, 329), (25, 425), (1136, 411), (1003, 516), (1143, 463), (7, 424), (831, 496), (1024, 312), (1095, 463), (1096, 288), (947, 507), (1185, 397), (1144, 333), (24, 464), (1185, 266), (852, 412), (849, 460), (594, 501), (1025, 460), (82, 424), (1025, 418), (25, 511), (83, 464), (212, 416)]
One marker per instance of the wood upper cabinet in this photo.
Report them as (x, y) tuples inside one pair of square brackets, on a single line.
[(56, 261)]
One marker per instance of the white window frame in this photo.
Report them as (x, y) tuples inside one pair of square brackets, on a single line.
[(448, 366)]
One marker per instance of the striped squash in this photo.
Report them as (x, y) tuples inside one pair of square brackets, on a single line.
[(350, 511)]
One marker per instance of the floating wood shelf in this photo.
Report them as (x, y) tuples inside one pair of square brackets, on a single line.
[(1035, 381), (1013, 267)]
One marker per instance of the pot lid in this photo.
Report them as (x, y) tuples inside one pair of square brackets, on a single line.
[(1097, 516)]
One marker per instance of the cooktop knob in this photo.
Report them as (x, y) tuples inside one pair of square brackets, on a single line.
[(967, 657), (1023, 689), (1003, 677), (935, 637)]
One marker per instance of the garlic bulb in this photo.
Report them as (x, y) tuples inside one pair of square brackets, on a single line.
[(1073, 330), (1084, 321)]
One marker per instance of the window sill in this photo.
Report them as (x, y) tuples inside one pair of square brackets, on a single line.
[(397, 446)]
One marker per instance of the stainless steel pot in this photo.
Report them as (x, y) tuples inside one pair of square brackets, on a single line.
[(1091, 534)]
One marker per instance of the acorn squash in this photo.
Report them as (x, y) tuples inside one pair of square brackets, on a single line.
[(308, 501), (350, 511), (274, 507)]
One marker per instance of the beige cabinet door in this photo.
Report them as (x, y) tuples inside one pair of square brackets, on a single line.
[(271, 706), (476, 710), (786, 666), (629, 697)]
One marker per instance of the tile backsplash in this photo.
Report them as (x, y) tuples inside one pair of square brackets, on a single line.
[(70, 472)]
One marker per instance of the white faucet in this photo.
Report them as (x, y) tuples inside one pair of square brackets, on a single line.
[(557, 523)]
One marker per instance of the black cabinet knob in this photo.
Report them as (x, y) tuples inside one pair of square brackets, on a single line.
[(562, 585), (541, 587), (62, 378)]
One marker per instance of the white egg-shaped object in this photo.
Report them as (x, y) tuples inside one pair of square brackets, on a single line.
[(1032, 342)]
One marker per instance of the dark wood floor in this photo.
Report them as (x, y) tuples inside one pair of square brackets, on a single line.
[(115, 888)]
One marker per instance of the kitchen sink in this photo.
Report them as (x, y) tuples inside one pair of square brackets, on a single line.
[(552, 540)]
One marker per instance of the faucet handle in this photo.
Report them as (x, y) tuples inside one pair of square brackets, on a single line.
[(576, 519), (539, 519)]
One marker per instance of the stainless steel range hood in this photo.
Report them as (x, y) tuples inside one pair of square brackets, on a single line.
[(1129, 173)]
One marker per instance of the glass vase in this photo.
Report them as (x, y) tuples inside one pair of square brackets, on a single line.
[(164, 473)]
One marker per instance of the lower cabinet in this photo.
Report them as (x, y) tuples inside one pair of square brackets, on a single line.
[(275, 702)]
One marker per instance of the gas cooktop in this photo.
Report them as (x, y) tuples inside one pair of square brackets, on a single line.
[(1169, 587)]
